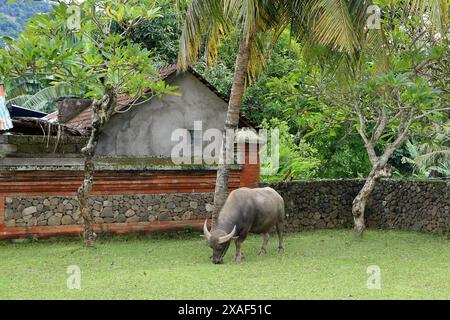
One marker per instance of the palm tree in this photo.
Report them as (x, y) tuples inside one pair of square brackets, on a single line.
[(336, 24)]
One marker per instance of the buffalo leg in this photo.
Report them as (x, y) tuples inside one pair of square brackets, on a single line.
[(280, 237), (238, 256), (264, 244)]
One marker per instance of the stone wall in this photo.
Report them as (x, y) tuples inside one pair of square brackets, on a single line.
[(56, 211), (404, 205)]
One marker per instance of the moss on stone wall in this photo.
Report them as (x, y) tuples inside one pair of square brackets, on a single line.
[(47, 145)]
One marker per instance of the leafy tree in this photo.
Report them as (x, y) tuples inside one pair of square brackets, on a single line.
[(33, 63), (401, 98), (98, 60), (329, 131), (161, 34)]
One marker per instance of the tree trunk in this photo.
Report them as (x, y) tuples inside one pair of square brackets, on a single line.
[(360, 202), (102, 111), (380, 166), (85, 190), (232, 122)]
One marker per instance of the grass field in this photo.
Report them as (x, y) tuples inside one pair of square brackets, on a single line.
[(316, 265)]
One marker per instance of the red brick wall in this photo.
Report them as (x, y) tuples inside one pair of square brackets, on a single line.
[(2, 211), (250, 174), (66, 183), (112, 182), (118, 228)]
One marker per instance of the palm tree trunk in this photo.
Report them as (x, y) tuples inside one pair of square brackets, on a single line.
[(232, 122)]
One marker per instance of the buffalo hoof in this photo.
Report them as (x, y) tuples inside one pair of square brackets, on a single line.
[(262, 253), (281, 250), (238, 258)]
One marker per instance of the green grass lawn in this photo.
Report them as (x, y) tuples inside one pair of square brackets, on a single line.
[(316, 265)]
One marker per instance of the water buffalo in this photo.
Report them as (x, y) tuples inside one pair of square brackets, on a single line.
[(246, 210)]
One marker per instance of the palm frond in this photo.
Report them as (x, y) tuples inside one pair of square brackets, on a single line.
[(337, 24), (332, 25), (41, 99), (431, 156), (203, 17), (20, 100), (47, 95), (24, 85), (208, 21)]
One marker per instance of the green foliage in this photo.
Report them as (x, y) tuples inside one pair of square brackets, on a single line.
[(258, 102), (43, 100), (14, 15), (348, 159), (161, 34), (295, 161), (384, 104), (320, 135), (89, 61), (432, 158), (8, 26), (275, 94), (220, 74)]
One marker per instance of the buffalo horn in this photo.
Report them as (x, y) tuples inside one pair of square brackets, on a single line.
[(205, 230), (228, 236)]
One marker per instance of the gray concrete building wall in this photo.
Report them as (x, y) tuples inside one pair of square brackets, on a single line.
[(146, 129)]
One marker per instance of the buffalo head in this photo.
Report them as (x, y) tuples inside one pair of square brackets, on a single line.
[(219, 241)]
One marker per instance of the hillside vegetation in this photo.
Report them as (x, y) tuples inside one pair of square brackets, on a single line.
[(14, 15)]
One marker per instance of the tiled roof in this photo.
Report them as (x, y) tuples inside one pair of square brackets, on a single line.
[(167, 71)]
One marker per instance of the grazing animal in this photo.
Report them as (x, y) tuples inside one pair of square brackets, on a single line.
[(246, 210)]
